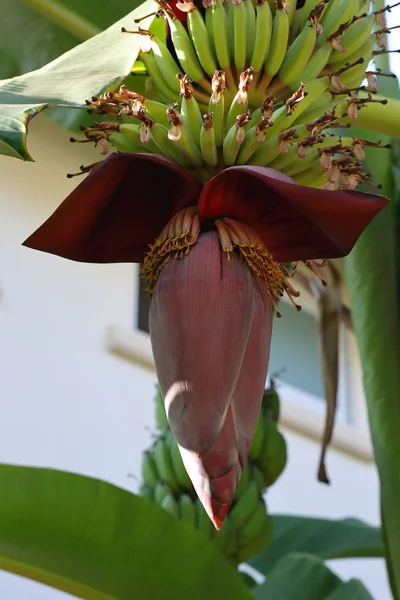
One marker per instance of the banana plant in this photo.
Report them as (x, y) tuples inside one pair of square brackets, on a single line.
[(234, 104)]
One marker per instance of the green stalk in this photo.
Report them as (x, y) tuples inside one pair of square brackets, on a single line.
[(65, 17), (371, 275), (370, 272)]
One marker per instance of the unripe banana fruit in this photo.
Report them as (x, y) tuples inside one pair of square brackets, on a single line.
[(247, 530), (251, 68), (273, 455)]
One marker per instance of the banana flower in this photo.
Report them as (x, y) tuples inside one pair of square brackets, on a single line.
[(213, 255)]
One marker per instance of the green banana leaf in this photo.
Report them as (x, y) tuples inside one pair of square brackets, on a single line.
[(302, 576), (35, 32), (99, 64), (324, 538), (99, 542), (372, 272)]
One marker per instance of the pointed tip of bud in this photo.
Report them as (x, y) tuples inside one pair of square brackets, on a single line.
[(217, 513)]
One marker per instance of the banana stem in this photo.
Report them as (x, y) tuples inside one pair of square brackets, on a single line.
[(65, 17), (380, 118)]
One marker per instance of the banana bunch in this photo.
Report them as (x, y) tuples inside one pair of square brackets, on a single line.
[(247, 529), (245, 82)]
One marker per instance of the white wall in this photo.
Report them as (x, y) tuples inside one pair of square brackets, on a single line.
[(66, 402)]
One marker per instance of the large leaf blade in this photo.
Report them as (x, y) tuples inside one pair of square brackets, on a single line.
[(99, 542), (372, 278), (324, 538), (35, 32), (99, 64), (305, 577), (28, 39)]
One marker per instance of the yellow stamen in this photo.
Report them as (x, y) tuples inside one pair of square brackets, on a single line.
[(175, 240), (181, 233)]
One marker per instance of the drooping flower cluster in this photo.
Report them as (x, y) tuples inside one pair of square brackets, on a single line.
[(229, 165)]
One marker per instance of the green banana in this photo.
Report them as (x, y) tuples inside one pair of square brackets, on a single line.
[(300, 165), (243, 481), (146, 491), (225, 539), (180, 135), (219, 21), (314, 176), (152, 67), (235, 110), (185, 52), (258, 477), (178, 467), (317, 63), (286, 115), (308, 6), (210, 28), (159, 135), (233, 139), (170, 505), (250, 27), (156, 110), (203, 521), (131, 132), (160, 491), (230, 27), (271, 403), (201, 41), (262, 36), (252, 527), (303, 164), (187, 510), (239, 29), (124, 144), (262, 155), (207, 141), (216, 106), (161, 415), (191, 115), (164, 465), (297, 56), (278, 45), (165, 62), (256, 445), (150, 474), (292, 10), (272, 460), (353, 77), (260, 541), (242, 510), (365, 50), (286, 160), (336, 13), (312, 112), (353, 39)]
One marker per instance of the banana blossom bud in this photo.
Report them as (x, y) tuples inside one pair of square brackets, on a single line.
[(213, 257)]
